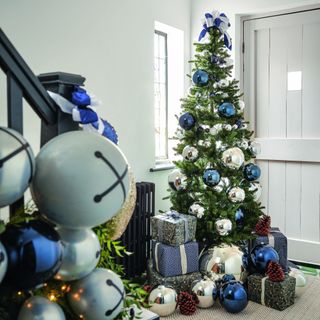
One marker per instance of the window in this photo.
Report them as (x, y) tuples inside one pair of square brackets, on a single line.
[(168, 89)]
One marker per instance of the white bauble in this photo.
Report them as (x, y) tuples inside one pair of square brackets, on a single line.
[(301, 280), (233, 158), (197, 210), (81, 180), (177, 180), (256, 188), (255, 148), (236, 195), (190, 153), (241, 105), (223, 226), (216, 129)]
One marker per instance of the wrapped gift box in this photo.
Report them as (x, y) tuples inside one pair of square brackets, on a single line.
[(276, 295), (173, 228), (175, 260), (279, 242), (179, 283)]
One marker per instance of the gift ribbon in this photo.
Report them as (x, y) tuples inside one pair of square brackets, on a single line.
[(156, 256), (263, 288)]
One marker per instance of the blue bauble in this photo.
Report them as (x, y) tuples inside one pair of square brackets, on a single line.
[(216, 60), (239, 218), (251, 172), (34, 253), (187, 121), (200, 78), (233, 297), (227, 110), (211, 177), (261, 255), (227, 278)]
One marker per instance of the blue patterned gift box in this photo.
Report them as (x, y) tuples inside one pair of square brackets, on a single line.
[(175, 260)]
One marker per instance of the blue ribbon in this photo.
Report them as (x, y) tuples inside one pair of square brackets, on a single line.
[(80, 97), (219, 21)]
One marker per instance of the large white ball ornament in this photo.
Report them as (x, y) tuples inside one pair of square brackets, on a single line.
[(233, 158), (81, 253), (100, 295), (3, 262), (81, 180), (16, 166), (40, 308)]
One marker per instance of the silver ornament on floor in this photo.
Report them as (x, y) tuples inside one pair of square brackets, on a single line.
[(190, 153), (241, 105), (40, 308), (177, 180), (3, 262), (224, 183), (256, 188), (223, 226), (16, 166), (205, 290), (255, 148), (197, 210), (301, 280), (163, 300), (100, 295), (233, 158), (81, 253), (236, 195)]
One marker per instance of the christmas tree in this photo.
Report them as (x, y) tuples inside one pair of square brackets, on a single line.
[(216, 180)]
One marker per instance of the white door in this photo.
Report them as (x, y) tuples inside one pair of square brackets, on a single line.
[(281, 83)]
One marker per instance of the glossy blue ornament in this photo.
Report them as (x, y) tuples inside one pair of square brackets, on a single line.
[(233, 297), (251, 172), (228, 278), (261, 255), (80, 97), (200, 78), (239, 218), (227, 110), (187, 121), (34, 253), (211, 177)]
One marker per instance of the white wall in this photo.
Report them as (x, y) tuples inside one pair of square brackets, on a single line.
[(111, 44)]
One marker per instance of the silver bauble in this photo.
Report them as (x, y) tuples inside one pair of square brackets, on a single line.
[(81, 253), (16, 166), (87, 170), (177, 180), (224, 95), (224, 183), (40, 308), (301, 280), (204, 128), (236, 194), (244, 144), (216, 129), (255, 148), (233, 158), (190, 153), (223, 83), (3, 262), (179, 134), (227, 127), (256, 188), (205, 290), (100, 295), (204, 143), (163, 301), (223, 226), (241, 105), (235, 126), (197, 210), (220, 146)]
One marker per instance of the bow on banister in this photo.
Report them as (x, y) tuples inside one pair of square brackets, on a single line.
[(219, 21)]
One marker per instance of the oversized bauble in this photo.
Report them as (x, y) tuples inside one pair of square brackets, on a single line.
[(100, 295), (261, 255), (301, 280), (227, 110), (233, 158), (40, 308), (163, 301), (190, 153), (255, 148), (205, 290), (187, 121), (3, 262), (177, 180), (16, 166), (233, 297), (34, 253), (256, 188), (236, 195), (81, 253), (251, 172), (197, 210), (211, 177), (223, 226), (200, 78), (239, 218), (87, 170)]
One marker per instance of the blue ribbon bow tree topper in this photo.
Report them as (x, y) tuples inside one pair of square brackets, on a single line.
[(221, 22)]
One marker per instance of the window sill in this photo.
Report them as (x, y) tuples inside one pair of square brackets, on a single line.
[(162, 167)]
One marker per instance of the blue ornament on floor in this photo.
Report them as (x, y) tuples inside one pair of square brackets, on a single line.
[(187, 121), (200, 78), (227, 110), (233, 297), (261, 255), (34, 251), (211, 177), (239, 218), (227, 278), (251, 172)]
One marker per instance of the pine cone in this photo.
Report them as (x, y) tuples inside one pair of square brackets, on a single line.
[(275, 272), (263, 226), (187, 303)]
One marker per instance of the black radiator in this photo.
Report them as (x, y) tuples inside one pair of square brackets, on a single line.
[(137, 236)]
